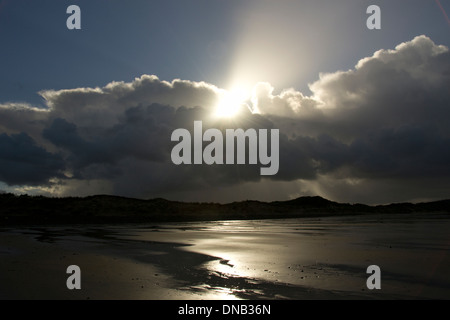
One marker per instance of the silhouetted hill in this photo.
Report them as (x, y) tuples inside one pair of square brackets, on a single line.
[(26, 209), (317, 202)]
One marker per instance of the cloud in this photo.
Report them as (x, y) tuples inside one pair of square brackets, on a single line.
[(383, 122), (23, 162), (385, 118), (102, 107)]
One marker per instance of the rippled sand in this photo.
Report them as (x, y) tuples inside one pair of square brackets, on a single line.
[(322, 258)]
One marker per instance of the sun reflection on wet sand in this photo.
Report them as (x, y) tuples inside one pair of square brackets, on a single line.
[(326, 254), (214, 293), (261, 259)]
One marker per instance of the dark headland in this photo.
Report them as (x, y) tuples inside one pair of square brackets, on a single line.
[(102, 209)]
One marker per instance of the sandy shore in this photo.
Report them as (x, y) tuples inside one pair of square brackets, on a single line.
[(254, 259)]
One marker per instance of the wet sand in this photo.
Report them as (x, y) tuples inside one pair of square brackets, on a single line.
[(322, 258)]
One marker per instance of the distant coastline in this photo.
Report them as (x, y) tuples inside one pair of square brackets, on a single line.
[(36, 210)]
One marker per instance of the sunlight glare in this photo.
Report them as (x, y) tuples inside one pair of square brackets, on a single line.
[(231, 103)]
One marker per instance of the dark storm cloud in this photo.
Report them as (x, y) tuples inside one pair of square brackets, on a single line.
[(137, 134), (384, 120), (23, 162), (402, 153)]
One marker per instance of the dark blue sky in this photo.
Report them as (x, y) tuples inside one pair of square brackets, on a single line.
[(200, 40)]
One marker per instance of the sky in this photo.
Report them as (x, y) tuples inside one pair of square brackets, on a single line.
[(362, 114)]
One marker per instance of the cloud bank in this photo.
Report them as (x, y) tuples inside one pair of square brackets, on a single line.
[(376, 133)]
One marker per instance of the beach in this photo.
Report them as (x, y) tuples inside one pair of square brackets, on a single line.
[(301, 258)]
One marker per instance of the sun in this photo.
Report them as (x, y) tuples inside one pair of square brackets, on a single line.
[(231, 103)]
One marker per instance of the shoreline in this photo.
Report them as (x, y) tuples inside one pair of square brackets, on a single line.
[(30, 222), (20, 210)]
